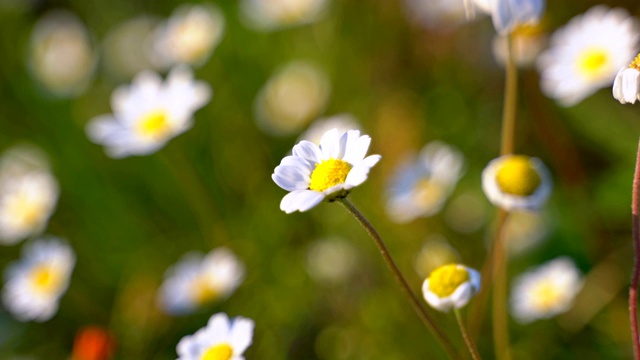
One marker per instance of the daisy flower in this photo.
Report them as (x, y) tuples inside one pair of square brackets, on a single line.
[(221, 339), (197, 280), (586, 54), (516, 182), (342, 122), (626, 86), (435, 252), (545, 291), (269, 15), (35, 284), (421, 186), (451, 287), (329, 170), (509, 14), (149, 113), (189, 36), (528, 43)]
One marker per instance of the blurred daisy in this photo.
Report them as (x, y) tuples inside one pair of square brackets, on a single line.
[(421, 186), (342, 122), (221, 339), (329, 170), (149, 113), (128, 46), (331, 260), (197, 280), (28, 194), (189, 36), (516, 182), (436, 14), (435, 252), (524, 230), (35, 284), (545, 291), (528, 43), (291, 98), (61, 55), (586, 54), (509, 14), (451, 287), (269, 15), (626, 86)]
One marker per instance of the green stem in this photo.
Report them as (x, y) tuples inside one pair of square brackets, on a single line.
[(510, 102), (499, 274), (395, 271), (467, 339)]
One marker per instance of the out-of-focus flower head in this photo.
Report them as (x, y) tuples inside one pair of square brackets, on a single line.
[(451, 287), (528, 42), (61, 54), (326, 171), (524, 230), (516, 182), (93, 343), (342, 122), (422, 185), (435, 252), (507, 15), (149, 112), (222, 338), (626, 86), (28, 193), (586, 54), (35, 284), (545, 291), (270, 15), (197, 280), (331, 260), (189, 36), (127, 47), (296, 94)]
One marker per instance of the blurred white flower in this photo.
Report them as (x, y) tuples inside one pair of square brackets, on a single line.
[(509, 14), (221, 339), (61, 54), (329, 170), (586, 54), (421, 185), (545, 291), (197, 280), (149, 113), (528, 43), (291, 98), (436, 14), (189, 36), (331, 260), (342, 122), (269, 15), (36, 283), (435, 252), (128, 46), (28, 194), (451, 287), (516, 182), (626, 86)]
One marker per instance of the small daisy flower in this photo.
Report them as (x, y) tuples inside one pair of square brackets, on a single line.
[(516, 182), (421, 186), (35, 284), (435, 252), (326, 171), (545, 291), (451, 287), (626, 86), (269, 15), (189, 36), (528, 43), (342, 122), (586, 54), (197, 280), (149, 113), (509, 14), (221, 339)]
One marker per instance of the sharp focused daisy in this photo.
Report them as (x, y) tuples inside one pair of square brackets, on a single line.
[(221, 339), (626, 86), (586, 54), (329, 170), (269, 15), (545, 291), (149, 113), (422, 185), (196, 281), (516, 182), (36, 283), (451, 287), (189, 36)]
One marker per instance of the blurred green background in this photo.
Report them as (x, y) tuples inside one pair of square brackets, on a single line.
[(129, 219)]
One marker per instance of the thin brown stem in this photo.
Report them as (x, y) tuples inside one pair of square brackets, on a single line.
[(633, 289), (510, 102), (499, 274), (397, 274), (473, 350)]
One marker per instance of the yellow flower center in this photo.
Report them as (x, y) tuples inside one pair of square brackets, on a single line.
[(429, 193), (546, 296), (516, 176), (329, 173), (45, 279), (26, 211), (203, 291), (635, 64), (594, 63), (528, 30), (154, 125), (222, 351), (444, 280)]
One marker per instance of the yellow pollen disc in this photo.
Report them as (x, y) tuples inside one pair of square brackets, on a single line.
[(444, 280), (203, 291), (26, 211), (516, 176), (546, 296), (218, 352), (45, 279), (154, 125), (329, 173), (635, 64), (593, 63)]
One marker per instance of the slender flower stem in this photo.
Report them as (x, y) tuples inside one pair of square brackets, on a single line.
[(510, 102), (473, 350), (633, 289), (413, 299)]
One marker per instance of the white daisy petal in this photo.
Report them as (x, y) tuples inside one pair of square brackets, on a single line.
[(451, 287), (308, 151), (232, 335)]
